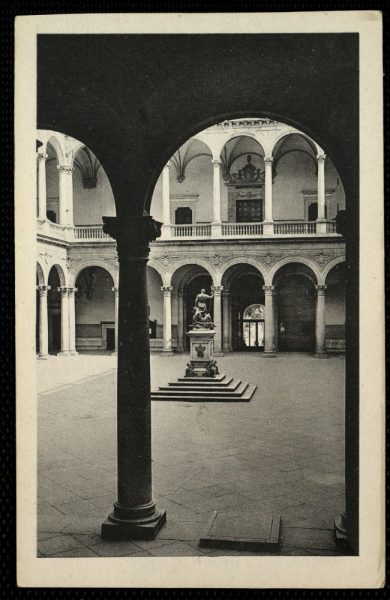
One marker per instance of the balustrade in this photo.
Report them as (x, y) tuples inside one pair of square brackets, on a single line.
[(294, 228)]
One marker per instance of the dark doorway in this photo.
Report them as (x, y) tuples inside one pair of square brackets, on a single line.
[(249, 211), (54, 312), (296, 314), (111, 339), (247, 291), (183, 216)]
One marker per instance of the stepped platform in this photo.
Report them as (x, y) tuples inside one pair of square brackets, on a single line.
[(205, 389)]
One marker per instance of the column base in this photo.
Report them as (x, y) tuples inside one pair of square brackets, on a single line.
[(268, 228), (66, 353), (166, 353), (42, 356), (269, 354), (115, 353), (320, 355), (218, 353), (114, 528), (321, 225), (216, 230)]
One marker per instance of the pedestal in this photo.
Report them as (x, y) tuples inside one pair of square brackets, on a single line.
[(202, 363)]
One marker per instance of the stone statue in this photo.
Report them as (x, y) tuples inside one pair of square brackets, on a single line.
[(201, 317)]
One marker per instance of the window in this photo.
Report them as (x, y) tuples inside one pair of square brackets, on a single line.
[(183, 216)]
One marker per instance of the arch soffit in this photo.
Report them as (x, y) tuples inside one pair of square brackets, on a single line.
[(291, 260), (251, 136), (200, 138), (94, 263), (153, 265), (194, 262), (277, 139), (241, 261), (333, 263), (55, 142), (60, 271), (42, 276)]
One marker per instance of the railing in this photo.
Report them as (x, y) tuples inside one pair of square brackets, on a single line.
[(50, 229), (90, 232), (331, 227), (191, 230), (293, 228), (242, 229)]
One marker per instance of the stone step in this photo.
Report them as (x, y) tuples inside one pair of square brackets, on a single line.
[(243, 393), (233, 385), (202, 382), (237, 390)]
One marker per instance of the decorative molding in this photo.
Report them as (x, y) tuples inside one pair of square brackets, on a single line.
[(217, 289), (65, 169), (166, 289), (321, 289), (269, 290), (132, 235), (218, 259)]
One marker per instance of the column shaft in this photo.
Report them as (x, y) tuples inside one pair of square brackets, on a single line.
[(226, 322), (269, 325), (217, 319), (320, 322), (180, 322), (115, 289), (72, 320), (166, 228), (268, 226), (66, 194), (216, 224), (321, 220), (43, 322), (42, 186), (167, 316), (135, 514)]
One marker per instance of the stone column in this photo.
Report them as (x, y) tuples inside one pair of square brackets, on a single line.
[(320, 322), (216, 227), (66, 194), (167, 323), (115, 289), (226, 321), (180, 322), (43, 322), (321, 220), (72, 321), (268, 223), (64, 321), (166, 228), (42, 186), (135, 514), (269, 322), (217, 319)]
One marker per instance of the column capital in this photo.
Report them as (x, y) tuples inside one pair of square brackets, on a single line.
[(321, 289), (217, 289), (67, 290), (42, 157), (115, 289), (166, 289), (65, 169), (216, 162), (72, 290), (168, 165), (269, 289), (268, 160), (321, 158), (43, 289), (132, 235)]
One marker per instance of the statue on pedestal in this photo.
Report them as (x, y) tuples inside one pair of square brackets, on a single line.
[(201, 318)]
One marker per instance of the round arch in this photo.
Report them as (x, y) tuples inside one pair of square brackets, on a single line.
[(154, 265), (61, 273), (316, 148), (94, 263), (195, 262), (240, 261), (57, 147), (41, 274), (291, 260), (325, 272)]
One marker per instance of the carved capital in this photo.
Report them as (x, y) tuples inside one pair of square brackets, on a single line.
[(42, 157), (43, 289), (166, 289), (65, 169), (269, 290), (321, 290), (72, 291), (268, 160), (168, 165), (132, 235), (217, 289), (321, 158), (115, 289), (216, 162)]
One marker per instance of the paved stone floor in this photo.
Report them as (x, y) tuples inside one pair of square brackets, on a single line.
[(282, 452)]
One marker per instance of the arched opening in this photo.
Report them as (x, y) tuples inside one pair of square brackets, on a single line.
[(55, 281), (95, 310), (155, 308), (296, 308), (52, 185), (243, 327), (335, 309), (188, 280)]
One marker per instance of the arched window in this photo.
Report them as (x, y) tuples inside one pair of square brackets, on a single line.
[(183, 216), (254, 312)]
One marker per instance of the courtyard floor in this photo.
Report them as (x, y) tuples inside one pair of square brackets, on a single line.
[(281, 452)]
